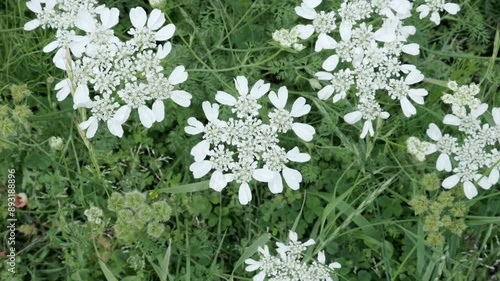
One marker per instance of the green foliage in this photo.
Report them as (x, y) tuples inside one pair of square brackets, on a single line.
[(358, 198)]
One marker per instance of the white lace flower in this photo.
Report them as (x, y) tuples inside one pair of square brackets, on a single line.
[(474, 152), (288, 264), (400, 89), (434, 7), (106, 73), (322, 23), (468, 123), (446, 144), (234, 148), (247, 103), (147, 30), (282, 119)]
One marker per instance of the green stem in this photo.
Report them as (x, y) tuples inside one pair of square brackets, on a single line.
[(237, 67), (436, 82)]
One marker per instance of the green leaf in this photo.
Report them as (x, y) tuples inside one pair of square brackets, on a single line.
[(192, 187), (252, 249), (107, 273)]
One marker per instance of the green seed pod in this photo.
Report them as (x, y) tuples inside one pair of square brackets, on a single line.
[(435, 239), (155, 229), (420, 204), (457, 227), (116, 202), (125, 215), (4, 111), (161, 211), (431, 182), (134, 199), (19, 92), (21, 113)]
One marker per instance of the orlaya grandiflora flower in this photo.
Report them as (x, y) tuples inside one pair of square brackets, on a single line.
[(114, 123), (400, 89), (36, 7), (434, 7), (246, 103), (236, 147), (146, 30), (357, 115), (98, 33), (282, 119), (180, 97), (323, 24), (202, 166), (292, 177)]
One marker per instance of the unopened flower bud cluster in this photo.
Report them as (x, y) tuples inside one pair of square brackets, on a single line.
[(470, 150), (243, 147), (107, 75), (135, 213), (94, 215), (442, 213), (288, 264), (14, 113), (288, 38)]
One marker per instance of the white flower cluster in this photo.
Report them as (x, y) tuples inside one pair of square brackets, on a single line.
[(124, 75), (288, 38), (288, 264), (94, 215), (373, 54), (433, 7), (236, 147), (477, 159), (369, 53)]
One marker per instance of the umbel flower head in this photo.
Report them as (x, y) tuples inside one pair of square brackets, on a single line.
[(135, 213), (288, 265), (365, 40), (472, 155), (111, 77), (243, 147)]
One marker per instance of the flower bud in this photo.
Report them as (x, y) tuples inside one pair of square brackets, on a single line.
[(55, 143), (158, 4)]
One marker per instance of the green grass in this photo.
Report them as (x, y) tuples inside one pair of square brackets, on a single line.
[(354, 200)]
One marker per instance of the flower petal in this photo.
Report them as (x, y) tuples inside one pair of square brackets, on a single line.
[(241, 84), (165, 32), (181, 98), (305, 12), (443, 163), (263, 175), (159, 110), (330, 63), (138, 17), (146, 115), (156, 19), (200, 169), (305, 31), (276, 184), (324, 42), (295, 155), (195, 127), (300, 108), (225, 98), (450, 181), (292, 177), (470, 190), (178, 75), (303, 131), (244, 194)]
